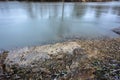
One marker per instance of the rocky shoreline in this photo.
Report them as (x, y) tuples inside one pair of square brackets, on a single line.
[(70, 60)]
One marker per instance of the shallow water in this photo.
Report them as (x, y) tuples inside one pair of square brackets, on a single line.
[(29, 24)]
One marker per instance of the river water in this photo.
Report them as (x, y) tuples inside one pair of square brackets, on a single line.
[(30, 24)]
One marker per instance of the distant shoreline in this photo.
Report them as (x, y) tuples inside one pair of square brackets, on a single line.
[(62, 1)]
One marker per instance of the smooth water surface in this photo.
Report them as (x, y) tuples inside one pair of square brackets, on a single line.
[(29, 24)]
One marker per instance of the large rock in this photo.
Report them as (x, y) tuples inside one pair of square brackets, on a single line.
[(26, 56)]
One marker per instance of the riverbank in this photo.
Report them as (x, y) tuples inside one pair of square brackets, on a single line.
[(70, 60)]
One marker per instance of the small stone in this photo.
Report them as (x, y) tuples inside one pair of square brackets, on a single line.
[(35, 70), (54, 77), (59, 57), (78, 51), (68, 69), (45, 70), (74, 65)]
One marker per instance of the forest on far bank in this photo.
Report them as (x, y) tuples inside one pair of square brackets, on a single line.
[(64, 0)]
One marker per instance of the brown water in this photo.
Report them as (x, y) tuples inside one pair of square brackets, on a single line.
[(29, 24)]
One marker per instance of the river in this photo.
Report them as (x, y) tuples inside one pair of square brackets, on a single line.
[(32, 24)]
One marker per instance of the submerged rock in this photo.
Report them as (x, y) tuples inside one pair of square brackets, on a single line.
[(116, 30)]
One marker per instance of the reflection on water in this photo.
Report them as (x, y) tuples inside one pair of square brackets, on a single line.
[(27, 24)]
